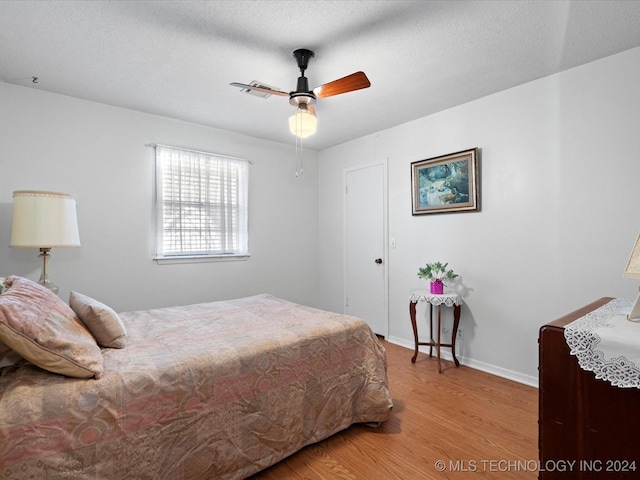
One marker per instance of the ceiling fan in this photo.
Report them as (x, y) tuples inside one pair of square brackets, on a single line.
[(303, 123)]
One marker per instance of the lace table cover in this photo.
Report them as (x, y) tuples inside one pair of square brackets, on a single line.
[(446, 299), (607, 344)]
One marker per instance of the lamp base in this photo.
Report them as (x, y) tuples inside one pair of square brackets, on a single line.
[(634, 316), (44, 278)]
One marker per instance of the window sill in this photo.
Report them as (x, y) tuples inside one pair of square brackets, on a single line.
[(200, 259)]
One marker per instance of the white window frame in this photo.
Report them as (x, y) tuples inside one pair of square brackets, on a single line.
[(206, 193)]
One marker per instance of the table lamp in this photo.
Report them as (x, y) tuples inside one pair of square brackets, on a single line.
[(633, 271), (44, 220)]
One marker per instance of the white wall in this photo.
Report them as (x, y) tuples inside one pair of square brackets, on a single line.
[(98, 153), (559, 191), (560, 199)]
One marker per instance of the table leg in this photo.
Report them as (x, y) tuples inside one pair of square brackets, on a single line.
[(430, 330), (412, 315), (438, 344), (454, 334)]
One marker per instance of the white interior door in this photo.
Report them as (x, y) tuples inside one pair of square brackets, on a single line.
[(365, 266)]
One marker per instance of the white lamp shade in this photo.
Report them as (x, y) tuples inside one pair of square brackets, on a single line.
[(303, 123), (44, 220)]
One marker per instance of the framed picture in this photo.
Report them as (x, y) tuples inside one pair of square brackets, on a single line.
[(448, 183)]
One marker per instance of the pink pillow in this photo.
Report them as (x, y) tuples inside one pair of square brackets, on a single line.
[(103, 323), (43, 329)]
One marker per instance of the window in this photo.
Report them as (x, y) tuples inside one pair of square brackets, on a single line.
[(201, 204)]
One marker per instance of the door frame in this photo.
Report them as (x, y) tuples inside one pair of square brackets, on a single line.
[(385, 236)]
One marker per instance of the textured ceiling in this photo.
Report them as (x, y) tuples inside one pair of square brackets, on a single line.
[(177, 58)]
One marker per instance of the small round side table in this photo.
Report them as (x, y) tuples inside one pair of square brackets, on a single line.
[(436, 301)]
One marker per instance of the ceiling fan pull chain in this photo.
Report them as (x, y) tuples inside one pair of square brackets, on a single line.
[(299, 157), (299, 151)]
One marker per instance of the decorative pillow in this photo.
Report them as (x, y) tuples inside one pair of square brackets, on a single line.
[(7, 356), (103, 323), (43, 329)]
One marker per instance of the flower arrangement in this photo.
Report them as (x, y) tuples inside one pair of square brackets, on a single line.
[(437, 273)]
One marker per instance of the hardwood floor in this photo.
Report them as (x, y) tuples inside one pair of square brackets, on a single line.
[(461, 424)]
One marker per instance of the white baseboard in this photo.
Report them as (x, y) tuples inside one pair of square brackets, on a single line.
[(470, 362)]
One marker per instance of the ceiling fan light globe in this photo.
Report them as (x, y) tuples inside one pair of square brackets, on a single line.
[(303, 123)]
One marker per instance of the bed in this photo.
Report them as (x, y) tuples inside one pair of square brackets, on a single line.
[(215, 390)]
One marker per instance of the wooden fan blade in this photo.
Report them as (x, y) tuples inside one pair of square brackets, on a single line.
[(355, 81), (312, 110), (260, 89)]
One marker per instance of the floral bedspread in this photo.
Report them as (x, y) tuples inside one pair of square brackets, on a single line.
[(217, 390)]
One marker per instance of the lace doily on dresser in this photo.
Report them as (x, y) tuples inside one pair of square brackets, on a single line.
[(446, 299), (607, 344)]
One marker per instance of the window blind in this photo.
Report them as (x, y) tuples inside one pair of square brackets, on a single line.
[(202, 207)]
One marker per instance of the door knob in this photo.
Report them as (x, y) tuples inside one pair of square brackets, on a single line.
[(378, 261)]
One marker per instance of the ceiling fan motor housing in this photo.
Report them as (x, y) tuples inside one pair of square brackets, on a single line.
[(303, 93), (297, 98)]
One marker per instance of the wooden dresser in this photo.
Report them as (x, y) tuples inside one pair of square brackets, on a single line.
[(581, 419)]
